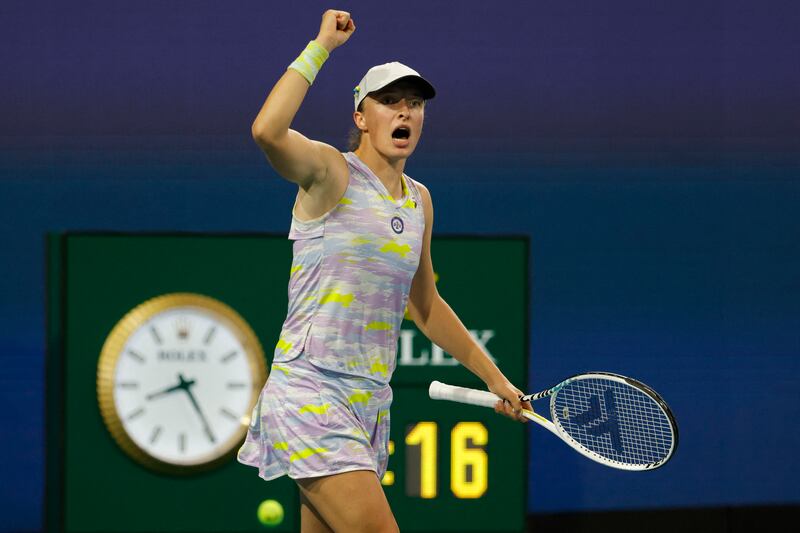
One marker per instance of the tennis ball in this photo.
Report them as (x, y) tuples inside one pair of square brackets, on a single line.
[(270, 513)]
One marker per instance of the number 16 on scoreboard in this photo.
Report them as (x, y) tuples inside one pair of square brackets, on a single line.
[(469, 463)]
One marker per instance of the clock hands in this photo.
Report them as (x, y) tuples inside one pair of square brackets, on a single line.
[(164, 392), (192, 399), (186, 385)]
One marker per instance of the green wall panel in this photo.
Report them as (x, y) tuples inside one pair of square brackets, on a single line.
[(96, 278)]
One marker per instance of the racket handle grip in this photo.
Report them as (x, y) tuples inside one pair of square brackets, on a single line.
[(442, 391)]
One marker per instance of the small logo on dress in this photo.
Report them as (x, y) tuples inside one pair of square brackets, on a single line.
[(397, 225)]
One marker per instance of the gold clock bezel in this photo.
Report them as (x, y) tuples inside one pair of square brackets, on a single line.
[(112, 350)]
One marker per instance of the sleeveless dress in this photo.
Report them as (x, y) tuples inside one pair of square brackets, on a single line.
[(325, 406)]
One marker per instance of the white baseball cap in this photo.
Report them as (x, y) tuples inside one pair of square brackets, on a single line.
[(380, 76)]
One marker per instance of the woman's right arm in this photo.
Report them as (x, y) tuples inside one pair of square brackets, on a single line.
[(294, 156)]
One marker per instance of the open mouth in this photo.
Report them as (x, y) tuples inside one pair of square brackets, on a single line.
[(401, 133)]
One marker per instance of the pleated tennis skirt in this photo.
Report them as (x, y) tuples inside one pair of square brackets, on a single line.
[(311, 422)]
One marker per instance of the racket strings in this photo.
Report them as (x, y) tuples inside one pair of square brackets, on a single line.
[(615, 420)]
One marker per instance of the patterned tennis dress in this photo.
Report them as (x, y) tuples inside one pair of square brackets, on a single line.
[(325, 406)]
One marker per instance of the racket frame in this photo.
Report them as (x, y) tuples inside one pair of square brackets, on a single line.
[(554, 426), (486, 398)]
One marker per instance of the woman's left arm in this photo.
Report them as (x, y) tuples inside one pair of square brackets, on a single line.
[(436, 319)]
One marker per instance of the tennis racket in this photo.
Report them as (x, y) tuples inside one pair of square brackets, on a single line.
[(614, 420)]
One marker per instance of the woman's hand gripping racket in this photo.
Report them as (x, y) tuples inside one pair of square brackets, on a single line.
[(614, 420)]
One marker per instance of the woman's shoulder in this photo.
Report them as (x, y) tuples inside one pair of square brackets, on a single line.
[(419, 190)]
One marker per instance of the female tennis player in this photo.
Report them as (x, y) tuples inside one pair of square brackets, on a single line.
[(362, 231)]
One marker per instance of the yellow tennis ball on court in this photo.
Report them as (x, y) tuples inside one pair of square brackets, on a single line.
[(270, 513)]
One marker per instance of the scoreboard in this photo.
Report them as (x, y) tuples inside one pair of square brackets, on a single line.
[(452, 467)]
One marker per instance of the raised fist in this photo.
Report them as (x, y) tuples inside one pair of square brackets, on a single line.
[(335, 29)]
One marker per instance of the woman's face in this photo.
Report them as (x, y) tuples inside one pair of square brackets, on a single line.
[(393, 119)]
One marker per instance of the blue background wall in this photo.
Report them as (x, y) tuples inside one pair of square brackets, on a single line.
[(650, 151)]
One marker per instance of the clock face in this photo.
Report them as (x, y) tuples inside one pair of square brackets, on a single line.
[(178, 379)]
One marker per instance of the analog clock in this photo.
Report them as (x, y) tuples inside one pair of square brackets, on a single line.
[(177, 379)]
